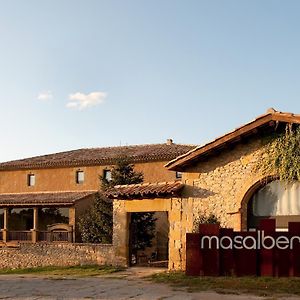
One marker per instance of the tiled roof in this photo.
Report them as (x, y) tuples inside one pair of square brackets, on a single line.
[(145, 190), (269, 121), (100, 156), (43, 199)]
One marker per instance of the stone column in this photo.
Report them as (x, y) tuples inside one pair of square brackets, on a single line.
[(72, 220), (175, 235), (34, 231), (5, 225), (120, 233)]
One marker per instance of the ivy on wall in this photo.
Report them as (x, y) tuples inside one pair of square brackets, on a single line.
[(282, 156)]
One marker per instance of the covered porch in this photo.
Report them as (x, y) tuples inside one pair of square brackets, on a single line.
[(41, 217)]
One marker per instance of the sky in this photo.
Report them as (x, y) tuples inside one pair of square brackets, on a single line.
[(93, 73)]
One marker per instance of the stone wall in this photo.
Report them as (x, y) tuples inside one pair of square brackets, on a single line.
[(219, 184), (181, 222), (28, 255)]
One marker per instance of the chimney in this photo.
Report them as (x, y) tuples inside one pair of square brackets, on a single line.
[(169, 141), (271, 110)]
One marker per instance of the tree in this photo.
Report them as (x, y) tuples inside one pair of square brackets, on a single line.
[(122, 173), (142, 224), (143, 230), (96, 224)]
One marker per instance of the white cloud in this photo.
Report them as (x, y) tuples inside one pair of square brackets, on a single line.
[(81, 101), (45, 96)]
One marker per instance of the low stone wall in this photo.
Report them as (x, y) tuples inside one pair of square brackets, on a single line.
[(28, 255)]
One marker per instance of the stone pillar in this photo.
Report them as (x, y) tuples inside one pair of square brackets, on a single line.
[(120, 233), (72, 220), (5, 225), (175, 235), (34, 231)]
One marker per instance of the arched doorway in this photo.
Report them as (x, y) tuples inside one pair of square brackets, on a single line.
[(275, 200)]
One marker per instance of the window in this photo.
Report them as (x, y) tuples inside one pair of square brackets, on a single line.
[(30, 179), (178, 175), (79, 177), (276, 200), (107, 175)]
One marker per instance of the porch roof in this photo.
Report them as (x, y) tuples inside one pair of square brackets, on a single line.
[(43, 198), (145, 190)]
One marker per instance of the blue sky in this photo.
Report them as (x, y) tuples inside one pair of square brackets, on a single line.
[(76, 74)]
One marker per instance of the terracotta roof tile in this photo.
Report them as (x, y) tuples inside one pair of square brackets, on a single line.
[(100, 156), (43, 199), (268, 120), (145, 190)]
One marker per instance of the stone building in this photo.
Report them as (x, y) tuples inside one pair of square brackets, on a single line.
[(37, 192), (221, 178)]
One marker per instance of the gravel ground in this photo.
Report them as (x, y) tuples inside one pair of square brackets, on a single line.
[(124, 285)]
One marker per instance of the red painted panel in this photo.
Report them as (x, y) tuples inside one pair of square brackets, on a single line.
[(246, 259), (294, 230), (244, 253), (211, 262), (266, 256), (268, 225), (227, 267), (193, 255), (281, 257)]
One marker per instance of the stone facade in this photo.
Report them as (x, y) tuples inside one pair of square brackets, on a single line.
[(56, 173), (222, 184), (219, 186), (28, 255)]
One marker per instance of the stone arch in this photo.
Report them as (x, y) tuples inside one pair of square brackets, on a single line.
[(247, 192)]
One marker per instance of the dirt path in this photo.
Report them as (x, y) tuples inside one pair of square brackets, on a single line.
[(124, 285)]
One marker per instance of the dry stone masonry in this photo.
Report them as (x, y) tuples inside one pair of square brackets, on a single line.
[(28, 255)]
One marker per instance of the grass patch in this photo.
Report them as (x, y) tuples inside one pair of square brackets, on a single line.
[(80, 271), (261, 286)]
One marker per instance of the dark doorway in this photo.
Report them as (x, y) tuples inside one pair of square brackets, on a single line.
[(149, 239)]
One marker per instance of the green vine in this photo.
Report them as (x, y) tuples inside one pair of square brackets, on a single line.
[(282, 156)]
